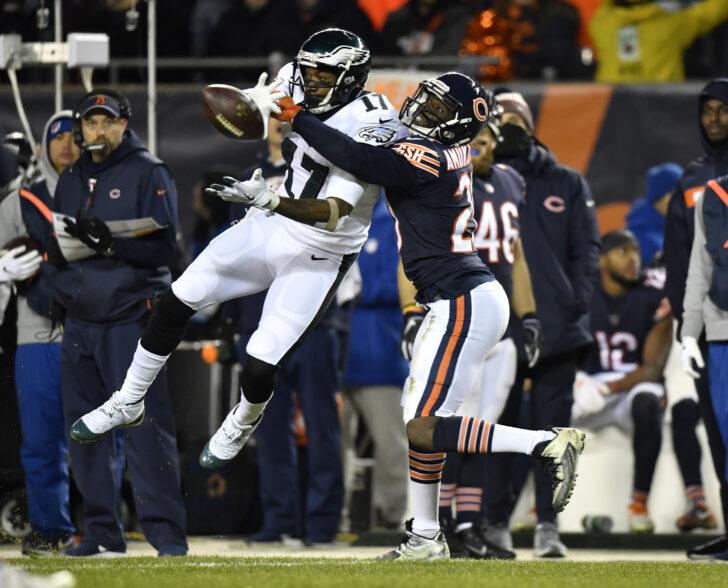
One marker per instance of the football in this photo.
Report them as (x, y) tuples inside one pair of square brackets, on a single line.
[(232, 112), (30, 245)]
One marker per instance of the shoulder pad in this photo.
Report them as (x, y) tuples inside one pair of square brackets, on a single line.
[(419, 155)]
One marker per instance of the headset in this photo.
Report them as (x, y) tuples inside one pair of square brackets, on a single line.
[(124, 111)]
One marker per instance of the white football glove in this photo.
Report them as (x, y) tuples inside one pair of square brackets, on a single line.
[(17, 267), (590, 395), (691, 352), (265, 99), (253, 191)]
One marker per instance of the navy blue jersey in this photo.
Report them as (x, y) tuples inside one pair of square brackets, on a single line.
[(621, 325), (429, 192), (497, 198)]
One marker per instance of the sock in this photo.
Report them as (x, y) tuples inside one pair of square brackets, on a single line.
[(640, 498), (473, 435), (469, 495), (247, 412), (141, 373), (467, 504), (447, 495), (425, 474)]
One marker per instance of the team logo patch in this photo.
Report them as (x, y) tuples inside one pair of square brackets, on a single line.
[(55, 127), (377, 133), (555, 204), (480, 107), (115, 193)]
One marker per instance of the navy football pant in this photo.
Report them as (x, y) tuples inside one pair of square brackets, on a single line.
[(718, 372), (94, 361), (43, 452), (311, 373)]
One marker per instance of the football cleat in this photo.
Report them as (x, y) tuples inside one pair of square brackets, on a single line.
[(417, 547), (639, 518), (46, 544), (708, 550), (227, 442), (499, 535), (477, 547), (112, 414), (561, 455), (698, 516), (546, 541)]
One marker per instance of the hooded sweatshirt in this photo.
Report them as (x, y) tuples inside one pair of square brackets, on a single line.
[(680, 221), (32, 326), (645, 42), (643, 220)]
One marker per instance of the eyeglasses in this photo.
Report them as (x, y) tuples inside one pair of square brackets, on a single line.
[(106, 124)]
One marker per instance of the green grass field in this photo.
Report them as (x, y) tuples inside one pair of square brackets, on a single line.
[(224, 572)]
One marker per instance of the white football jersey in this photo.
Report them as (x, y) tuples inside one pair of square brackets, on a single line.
[(371, 119)]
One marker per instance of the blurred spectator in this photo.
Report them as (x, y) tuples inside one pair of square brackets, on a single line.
[(532, 39), (212, 213), (377, 10), (376, 372), (587, 9), (26, 213), (621, 384), (204, 19), (312, 16), (641, 41), (646, 217), (425, 27)]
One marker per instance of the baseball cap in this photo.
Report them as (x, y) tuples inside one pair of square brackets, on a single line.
[(101, 102), (59, 126), (515, 102), (619, 238)]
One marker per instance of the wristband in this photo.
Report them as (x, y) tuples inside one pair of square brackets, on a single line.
[(333, 214)]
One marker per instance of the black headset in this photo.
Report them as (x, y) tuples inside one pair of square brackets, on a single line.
[(124, 111)]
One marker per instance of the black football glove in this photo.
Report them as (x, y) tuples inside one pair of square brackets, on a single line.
[(92, 232), (413, 318), (53, 251), (532, 338)]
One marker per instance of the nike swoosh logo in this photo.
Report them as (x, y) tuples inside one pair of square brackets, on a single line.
[(590, 203), (313, 256), (386, 120), (94, 239), (161, 192)]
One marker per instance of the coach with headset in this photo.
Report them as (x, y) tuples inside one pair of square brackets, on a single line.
[(107, 297)]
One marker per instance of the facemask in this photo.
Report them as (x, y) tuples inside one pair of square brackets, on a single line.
[(515, 142)]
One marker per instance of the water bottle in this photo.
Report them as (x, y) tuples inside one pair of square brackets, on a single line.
[(597, 523)]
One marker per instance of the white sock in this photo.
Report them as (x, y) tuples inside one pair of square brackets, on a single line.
[(246, 412), (513, 440), (425, 501), (141, 373)]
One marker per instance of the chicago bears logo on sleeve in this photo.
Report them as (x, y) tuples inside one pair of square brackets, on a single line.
[(376, 133)]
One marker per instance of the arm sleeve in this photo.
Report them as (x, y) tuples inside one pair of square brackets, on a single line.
[(584, 245), (370, 164), (700, 271), (160, 202), (699, 19)]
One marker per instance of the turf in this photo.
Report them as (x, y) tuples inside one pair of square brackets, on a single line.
[(224, 572)]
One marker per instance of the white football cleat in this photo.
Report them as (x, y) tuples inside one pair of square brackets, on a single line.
[(417, 547), (561, 455), (112, 414), (227, 442)]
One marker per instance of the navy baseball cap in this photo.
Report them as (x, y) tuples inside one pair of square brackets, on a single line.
[(618, 238), (102, 103)]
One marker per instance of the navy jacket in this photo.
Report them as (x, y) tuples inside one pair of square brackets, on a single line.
[(680, 221), (132, 183), (561, 241)]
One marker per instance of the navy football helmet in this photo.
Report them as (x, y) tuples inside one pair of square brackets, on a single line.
[(451, 108), (335, 51)]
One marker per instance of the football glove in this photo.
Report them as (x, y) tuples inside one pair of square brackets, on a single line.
[(413, 317), (253, 191), (532, 337), (265, 99), (691, 352), (590, 395), (18, 265), (92, 232), (288, 109)]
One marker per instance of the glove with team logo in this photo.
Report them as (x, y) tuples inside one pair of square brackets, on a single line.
[(288, 109), (18, 265), (92, 232), (413, 316), (691, 353), (253, 191), (265, 99), (532, 337)]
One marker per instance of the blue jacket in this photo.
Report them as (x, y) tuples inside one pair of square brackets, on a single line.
[(680, 221), (561, 241), (374, 351), (132, 183)]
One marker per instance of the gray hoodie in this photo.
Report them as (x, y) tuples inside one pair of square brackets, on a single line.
[(699, 311), (32, 327)]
